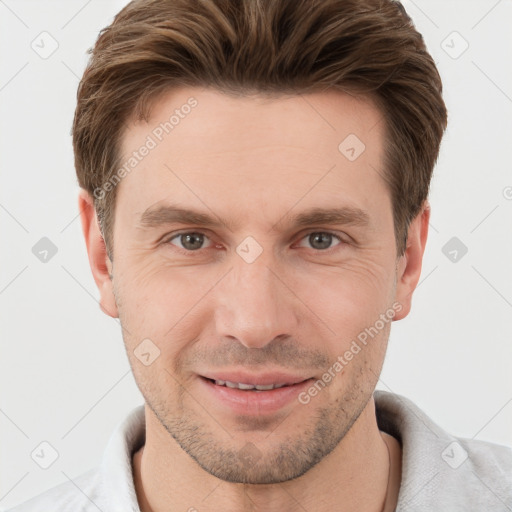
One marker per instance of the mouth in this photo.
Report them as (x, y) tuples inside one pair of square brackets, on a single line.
[(248, 395), (248, 387)]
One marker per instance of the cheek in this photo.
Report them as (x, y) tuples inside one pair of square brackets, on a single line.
[(353, 291), (357, 360), (162, 304), (159, 290), (350, 300)]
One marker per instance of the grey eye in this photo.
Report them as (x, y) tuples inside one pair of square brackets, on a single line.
[(189, 241), (321, 240)]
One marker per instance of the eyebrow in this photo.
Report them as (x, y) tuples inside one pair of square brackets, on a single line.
[(170, 214)]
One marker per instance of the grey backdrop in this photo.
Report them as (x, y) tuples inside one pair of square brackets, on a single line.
[(65, 378)]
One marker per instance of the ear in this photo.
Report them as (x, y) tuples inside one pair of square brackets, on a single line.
[(409, 264), (99, 261)]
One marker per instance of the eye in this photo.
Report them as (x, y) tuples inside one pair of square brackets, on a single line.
[(190, 241), (321, 240)]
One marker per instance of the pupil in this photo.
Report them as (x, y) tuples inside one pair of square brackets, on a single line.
[(320, 240), (192, 241)]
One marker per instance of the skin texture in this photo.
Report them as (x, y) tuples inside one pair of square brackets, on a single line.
[(256, 163)]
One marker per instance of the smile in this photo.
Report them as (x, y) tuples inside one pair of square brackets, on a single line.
[(253, 395), (241, 385)]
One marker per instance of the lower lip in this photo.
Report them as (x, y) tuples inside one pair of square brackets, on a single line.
[(254, 403)]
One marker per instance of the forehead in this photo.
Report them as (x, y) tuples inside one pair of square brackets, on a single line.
[(210, 116), (203, 143)]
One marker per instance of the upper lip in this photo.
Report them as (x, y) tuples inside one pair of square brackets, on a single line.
[(260, 379)]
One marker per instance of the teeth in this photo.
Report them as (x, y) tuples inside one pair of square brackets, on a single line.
[(245, 386), (265, 388), (241, 385)]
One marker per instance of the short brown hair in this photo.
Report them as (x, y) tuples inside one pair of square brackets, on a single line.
[(367, 47)]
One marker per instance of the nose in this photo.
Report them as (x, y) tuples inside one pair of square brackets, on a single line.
[(254, 305)]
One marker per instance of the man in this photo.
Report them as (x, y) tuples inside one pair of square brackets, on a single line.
[(254, 202)]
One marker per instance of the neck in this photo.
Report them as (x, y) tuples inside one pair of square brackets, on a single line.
[(354, 476)]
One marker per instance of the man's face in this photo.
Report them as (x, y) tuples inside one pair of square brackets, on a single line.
[(253, 296)]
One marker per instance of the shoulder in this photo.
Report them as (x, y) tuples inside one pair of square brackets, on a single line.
[(488, 455), (82, 493), (440, 471), (108, 487), (472, 475), (489, 464)]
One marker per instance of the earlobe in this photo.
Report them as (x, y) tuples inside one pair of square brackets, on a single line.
[(408, 268), (100, 263)]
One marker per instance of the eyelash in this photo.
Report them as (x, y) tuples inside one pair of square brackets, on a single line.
[(167, 241)]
